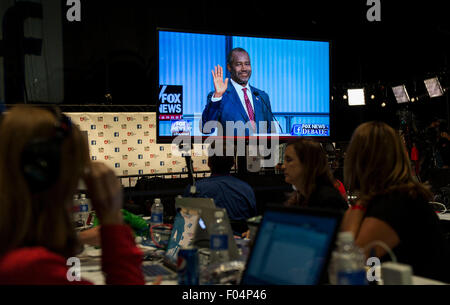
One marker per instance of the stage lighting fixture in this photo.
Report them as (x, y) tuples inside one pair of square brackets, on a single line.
[(344, 97), (372, 96), (433, 87), (383, 104), (401, 95), (356, 97)]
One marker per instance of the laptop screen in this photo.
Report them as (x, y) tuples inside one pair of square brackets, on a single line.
[(291, 248), (183, 232)]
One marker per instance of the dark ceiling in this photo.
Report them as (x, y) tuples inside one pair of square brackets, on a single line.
[(409, 42)]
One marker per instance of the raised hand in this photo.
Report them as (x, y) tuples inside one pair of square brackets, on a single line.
[(105, 192), (220, 86)]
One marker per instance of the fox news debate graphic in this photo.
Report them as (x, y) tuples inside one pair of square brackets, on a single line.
[(170, 102)]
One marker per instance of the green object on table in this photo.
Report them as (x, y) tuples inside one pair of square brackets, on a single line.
[(137, 223)]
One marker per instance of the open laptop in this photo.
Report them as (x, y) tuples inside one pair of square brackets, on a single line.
[(292, 247), (207, 208), (182, 235)]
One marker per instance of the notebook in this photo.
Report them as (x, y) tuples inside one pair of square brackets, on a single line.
[(207, 208), (182, 235), (292, 247)]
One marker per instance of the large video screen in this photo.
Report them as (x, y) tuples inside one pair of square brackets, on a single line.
[(222, 85)]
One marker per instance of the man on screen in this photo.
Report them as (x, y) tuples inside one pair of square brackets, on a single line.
[(237, 101)]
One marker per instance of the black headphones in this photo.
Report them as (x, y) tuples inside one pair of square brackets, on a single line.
[(41, 157)]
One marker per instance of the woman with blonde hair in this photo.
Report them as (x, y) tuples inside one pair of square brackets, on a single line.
[(306, 167), (390, 206), (42, 158)]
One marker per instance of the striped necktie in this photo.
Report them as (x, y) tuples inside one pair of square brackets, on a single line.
[(251, 113)]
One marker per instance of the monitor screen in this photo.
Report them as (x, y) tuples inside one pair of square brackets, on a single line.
[(290, 249), (224, 85)]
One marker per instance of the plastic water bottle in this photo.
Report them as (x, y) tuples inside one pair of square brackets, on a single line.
[(347, 265), (156, 218), (157, 212), (219, 240), (84, 208), (77, 216)]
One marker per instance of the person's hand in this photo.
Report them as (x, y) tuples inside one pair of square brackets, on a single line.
[(219, 85), (105, 192), (90, 236), (246, 234)]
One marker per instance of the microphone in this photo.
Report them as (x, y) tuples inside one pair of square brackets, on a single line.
[(256, 93), (188, 159)]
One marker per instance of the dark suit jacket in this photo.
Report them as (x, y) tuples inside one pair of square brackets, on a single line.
[(230, 108)]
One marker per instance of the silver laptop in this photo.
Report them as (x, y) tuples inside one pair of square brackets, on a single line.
[(182, 236), (207, 208)]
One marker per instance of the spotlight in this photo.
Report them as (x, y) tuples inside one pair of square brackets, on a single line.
[(433, 87), (372, 96), (401, 95), (383, 104), (345, 96), (413, 100), (356, 97)]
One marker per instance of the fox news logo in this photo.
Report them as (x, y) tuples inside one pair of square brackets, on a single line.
[(116, 134), (116, 149), (141, 172), (116, 119), (93, 127), (139, 126), (140, 156), (170, 100), (139, 141), (161, 163), (93, 142), (117, 165), (94, 158)]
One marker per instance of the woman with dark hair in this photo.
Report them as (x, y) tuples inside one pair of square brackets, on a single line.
[(306, 167), (391, 207), (42, 158)]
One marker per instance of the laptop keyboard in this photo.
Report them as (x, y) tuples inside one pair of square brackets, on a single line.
[(154, 270)]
